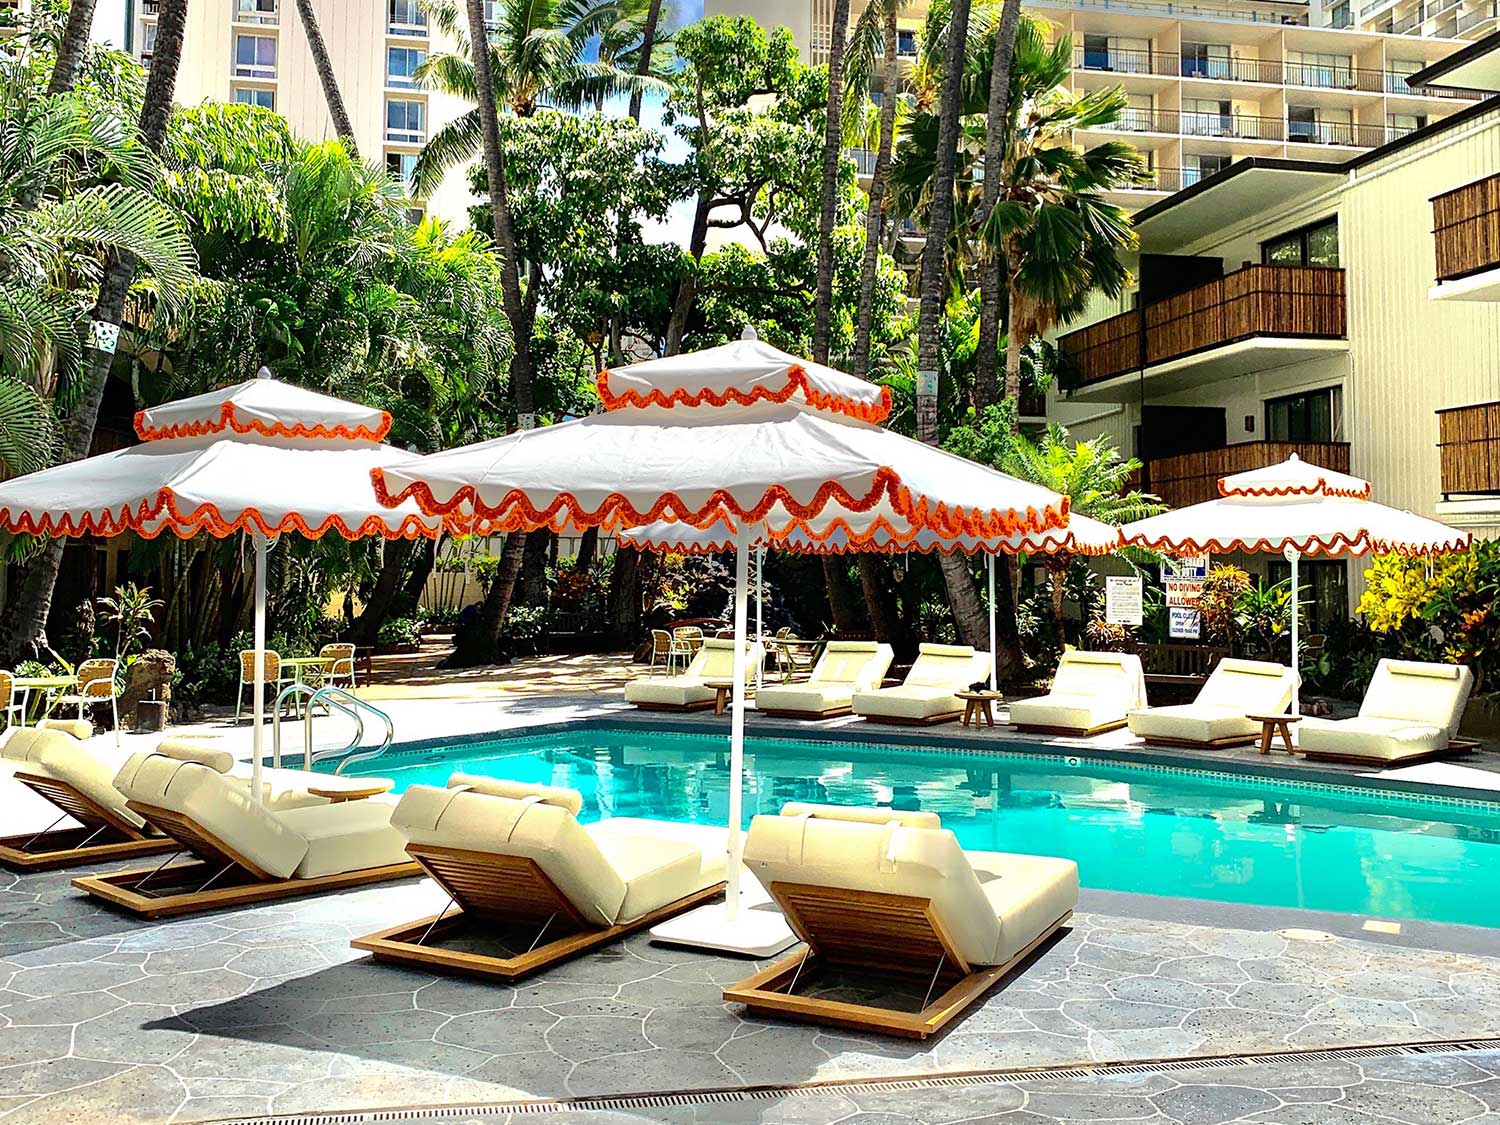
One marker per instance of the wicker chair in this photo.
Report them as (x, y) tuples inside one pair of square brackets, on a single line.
[(96, 686), (271, 676), (10, 710)]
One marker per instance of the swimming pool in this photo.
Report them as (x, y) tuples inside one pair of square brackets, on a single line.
[(1148, 829)]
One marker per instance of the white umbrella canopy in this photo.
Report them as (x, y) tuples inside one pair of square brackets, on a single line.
[(260, 457), (744, 435), (1294, 508)]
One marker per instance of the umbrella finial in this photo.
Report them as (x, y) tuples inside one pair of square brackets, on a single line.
[(749, 333), (1294, 457), (264, 373)]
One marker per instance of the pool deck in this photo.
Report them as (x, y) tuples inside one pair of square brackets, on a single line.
[(242, 1014)]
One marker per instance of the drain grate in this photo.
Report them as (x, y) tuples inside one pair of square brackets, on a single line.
[(626, 1103)]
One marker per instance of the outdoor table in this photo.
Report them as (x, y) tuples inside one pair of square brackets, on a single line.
[(722, 688), (979, 707), (786, 659), (49, 684), (340, 793), (1270, 725)]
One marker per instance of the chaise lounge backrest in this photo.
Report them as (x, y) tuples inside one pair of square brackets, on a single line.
[(860, 664), (536, 822), (715, 660), (52, 751), (1432, 694), (948, 666), (1251, 687), (881, 851), (1103, 675)]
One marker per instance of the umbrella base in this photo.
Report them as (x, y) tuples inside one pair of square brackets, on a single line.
[(758, 931)]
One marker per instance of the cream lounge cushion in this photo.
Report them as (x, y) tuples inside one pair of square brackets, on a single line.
[(857, 814), (844, 668), (1410, 708), (713, 661), (88, 767), (612, 872), (991, 904), (1234, 689), (80, 729), (1091, 689), (930, 688)]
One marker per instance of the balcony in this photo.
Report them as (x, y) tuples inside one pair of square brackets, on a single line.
[(1234, 70), (1126, 62), (1347, 134), (1255, 319), (1480, 16), (1466, 242), (1190, 124), (1191, 478)]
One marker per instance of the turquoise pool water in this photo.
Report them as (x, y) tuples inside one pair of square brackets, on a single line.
[(1151, 830)]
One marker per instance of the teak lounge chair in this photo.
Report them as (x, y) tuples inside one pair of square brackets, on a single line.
[(247, 852), (1410, 713), (1091, 693), (844, 668), (688, 692), (53, 760), (1235, 689), (929, 693), (892, 895), (528, 877)]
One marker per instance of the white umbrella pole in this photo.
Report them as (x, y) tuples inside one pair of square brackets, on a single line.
[(737, 726), (760, 634), (259, 710), (1293, 556), (994, 674)]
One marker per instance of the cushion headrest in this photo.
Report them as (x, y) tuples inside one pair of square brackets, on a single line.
[(1251, 667), (907, 818), (852, 646), (962, 652), (1084, 656), (569, 799), (202, 751), (1419, 668), (25, 744), (77, 728)]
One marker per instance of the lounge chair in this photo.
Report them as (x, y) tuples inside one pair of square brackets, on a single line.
[(1235, 689), (844, 668), (892, 896), (52, 760), (1410, 713), (929, 693), (1091, 693), (521, 869), (714, 660), (247, 851)]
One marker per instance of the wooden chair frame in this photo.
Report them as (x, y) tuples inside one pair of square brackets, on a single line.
[(499, 893), (184, 888), (1201, 744), (1072, 732), (893, 935), (676, 708), (103, 836), (1454, 748), (905, 721), (795, 713)]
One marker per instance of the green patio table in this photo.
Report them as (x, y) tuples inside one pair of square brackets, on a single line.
[(49, 684)]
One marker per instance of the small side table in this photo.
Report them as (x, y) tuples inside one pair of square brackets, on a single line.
[(1270, 725), (339, 794), (723, 689), (979, 707)]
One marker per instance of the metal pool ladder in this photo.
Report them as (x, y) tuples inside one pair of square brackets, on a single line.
[(335, 699)]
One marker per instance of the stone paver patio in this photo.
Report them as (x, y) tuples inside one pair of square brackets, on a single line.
[(106, 1019)]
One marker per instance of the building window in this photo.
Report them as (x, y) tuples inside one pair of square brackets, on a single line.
[(494, 12), (148, 43), (1205, 60), (1320, 68), (1117, 53), (1325, 597), (1316, 245), (255, 11), (906, 42), (1207, 117), (1340, 16), (1201, 165), (401, 165), (406, 17), (1139, 114), (405, 122), (255, 56), (1319, 125), (1399, 124), (401, 65), (1311, 416), (249, 95), (415, 215), (1396, 71)]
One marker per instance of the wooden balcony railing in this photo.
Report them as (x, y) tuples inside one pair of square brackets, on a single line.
[(1466, 229), (1469, 449), (1258, 300), (1191, 478)]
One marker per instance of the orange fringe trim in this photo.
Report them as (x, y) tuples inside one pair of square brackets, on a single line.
[(796, 381), (229, 420), (1319, 489), (1316, 545)]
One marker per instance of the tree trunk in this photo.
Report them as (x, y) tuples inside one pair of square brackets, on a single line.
[(687, 288), (997, 121), (364, 628), (841, 600), (879, 603), (833, 135), (625, 595), (1013, 345), (326, 78), (28, 624), (1009, 659), (410, 596), (874, 213), (480, 643), (969, 614), (1057, 571), (588, 551), (534, 568), (75, 38), (643, 67)]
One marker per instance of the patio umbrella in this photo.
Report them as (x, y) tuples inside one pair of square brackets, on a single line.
[(261, 457), (1294, 508), (745, 435)]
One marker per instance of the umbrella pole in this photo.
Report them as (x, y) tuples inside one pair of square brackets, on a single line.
[(760, 635), (737, 728), (258, 712), (1293, 556), (994, 673)]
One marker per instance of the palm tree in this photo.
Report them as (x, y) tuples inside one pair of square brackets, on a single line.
[(996, 126), (29, 618), (326, 78), (833, 136), (645, 51), (1092, 475), (1058, 240)]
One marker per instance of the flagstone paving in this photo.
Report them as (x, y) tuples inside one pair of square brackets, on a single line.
[(107, 1019)]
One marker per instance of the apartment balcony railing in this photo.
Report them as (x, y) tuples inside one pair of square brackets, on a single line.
[(1162, 179), (1191, 478), (1127, 62), (148, 7), (1258, 300), (1396, 83), (1469, 449), (1335, 77), (1466, 229), (1190, 11), (1194, 124), (1407, 23), (1347, 133), (1233, 70), (1468, 21)]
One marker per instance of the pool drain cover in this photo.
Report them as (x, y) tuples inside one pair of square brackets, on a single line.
[(1306, 935)]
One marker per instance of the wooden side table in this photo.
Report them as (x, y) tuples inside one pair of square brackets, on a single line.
[(979, 707), (1270, 725), (338, 794), (723, 689)]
